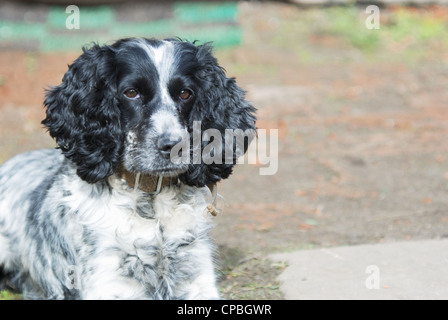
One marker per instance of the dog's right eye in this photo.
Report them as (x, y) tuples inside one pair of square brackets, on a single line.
[(132, 94), (185, 95)]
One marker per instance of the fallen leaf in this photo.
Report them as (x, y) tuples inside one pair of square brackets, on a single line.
[(301, 193), (306, 226)]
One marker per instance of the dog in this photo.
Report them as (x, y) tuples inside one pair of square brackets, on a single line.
[(107, 214)]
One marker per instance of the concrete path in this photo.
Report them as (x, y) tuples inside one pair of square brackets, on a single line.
[(406, 270)]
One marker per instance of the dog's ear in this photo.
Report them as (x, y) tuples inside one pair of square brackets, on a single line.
[(220, 104), (82, 114)]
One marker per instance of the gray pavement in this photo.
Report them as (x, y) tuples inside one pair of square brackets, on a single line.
[(389, 271)]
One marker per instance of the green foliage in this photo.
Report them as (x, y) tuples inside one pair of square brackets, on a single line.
[(340, 33), (7, 295), (413, 27)]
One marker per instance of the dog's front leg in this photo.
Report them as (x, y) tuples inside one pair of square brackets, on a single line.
[(203, 286), (101, 278)]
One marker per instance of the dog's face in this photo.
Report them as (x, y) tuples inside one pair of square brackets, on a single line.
[(132, 102), (156, 86)]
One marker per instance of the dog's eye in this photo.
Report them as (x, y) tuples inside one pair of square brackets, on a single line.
[(131, 94), (185, 94)]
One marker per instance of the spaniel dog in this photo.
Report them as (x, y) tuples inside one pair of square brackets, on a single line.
[(108, 214)]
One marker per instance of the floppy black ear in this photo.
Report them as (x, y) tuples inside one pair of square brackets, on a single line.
[(82, 114), (220, 104)]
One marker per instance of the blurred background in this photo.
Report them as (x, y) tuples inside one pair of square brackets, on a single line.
[(361, 113)]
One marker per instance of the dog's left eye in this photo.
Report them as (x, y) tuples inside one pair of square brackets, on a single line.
[(185, 94), (131, 94)]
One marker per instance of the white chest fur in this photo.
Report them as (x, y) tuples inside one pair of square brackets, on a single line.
[(143, 246)]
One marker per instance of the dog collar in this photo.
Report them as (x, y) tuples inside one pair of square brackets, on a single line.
[(154, 184), (145, 182)]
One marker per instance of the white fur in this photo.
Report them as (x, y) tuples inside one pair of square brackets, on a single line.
[(163, 58), (164, 121)]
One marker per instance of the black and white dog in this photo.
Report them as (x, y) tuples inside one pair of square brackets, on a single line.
[(107, 214)]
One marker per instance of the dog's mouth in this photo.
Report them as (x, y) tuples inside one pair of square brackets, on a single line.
[(167, 172)]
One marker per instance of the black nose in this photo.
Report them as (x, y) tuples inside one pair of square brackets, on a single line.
[(165, 143)]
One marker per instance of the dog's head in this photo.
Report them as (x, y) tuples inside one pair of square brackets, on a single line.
[(133, 102)]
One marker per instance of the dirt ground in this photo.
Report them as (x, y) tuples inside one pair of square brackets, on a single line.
[(362, 135)]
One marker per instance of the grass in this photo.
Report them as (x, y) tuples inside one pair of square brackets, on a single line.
[(254, 279), (416, 27), (7, 295), (405, 33)]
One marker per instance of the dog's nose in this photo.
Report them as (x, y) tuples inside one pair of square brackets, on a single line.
[(165, 143)]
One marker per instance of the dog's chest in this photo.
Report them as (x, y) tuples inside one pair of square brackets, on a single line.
[(144, 237), (127, 218)]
